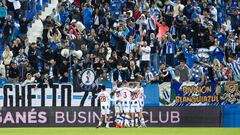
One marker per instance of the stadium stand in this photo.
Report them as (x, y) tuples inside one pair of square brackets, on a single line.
[(153, 41)]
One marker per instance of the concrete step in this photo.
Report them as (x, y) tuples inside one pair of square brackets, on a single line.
[(37, 27)]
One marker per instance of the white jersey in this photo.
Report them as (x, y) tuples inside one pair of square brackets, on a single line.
[(117, 95), (104, 97), (135, 95), (125, 94)]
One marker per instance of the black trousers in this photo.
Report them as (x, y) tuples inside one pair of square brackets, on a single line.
[(143, 67), (170, 59)]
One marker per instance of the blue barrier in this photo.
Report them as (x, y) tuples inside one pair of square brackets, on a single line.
[(151, 92), (231, 116)]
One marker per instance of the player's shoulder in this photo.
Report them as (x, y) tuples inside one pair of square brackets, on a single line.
[(118, 89)]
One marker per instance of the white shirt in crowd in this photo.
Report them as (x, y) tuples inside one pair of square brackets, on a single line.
[(213, 12), (145, 53)]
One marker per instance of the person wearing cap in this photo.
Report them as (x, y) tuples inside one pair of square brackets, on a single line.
[(197, 73)]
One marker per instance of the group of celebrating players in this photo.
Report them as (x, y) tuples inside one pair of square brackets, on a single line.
[(128, 100)]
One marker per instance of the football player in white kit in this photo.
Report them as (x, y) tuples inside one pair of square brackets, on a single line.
[(137, 103), (141, 97), (117, 104), (134, 105), (105, 99), (125, 100)]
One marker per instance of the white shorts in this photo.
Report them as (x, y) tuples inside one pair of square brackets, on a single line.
[(135, 107), (118, 107), (125, 106), (105, 110)]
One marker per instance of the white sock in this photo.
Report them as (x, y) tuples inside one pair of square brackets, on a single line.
[(136, 119), (100, 123), (107, 124), (142, 121), (132, 123), (127, 120)]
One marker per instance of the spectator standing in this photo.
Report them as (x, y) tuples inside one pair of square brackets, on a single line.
[(183, 71), (3, 14), (170, 49), (23, 29), (197, 73), (154, 44), (145, 51), (7, 56), (13, 73), (87, 16), (33, 56), (8, 29)]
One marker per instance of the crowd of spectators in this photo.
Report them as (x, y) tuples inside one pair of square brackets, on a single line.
[(143, 40)]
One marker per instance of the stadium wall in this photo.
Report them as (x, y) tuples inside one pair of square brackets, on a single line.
[(231, 116), (89, 116)]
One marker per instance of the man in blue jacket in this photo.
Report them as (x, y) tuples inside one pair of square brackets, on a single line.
[(87, 16)]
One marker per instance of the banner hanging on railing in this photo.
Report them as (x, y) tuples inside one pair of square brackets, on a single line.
[(15, 95), (165, 94), (191, 94)]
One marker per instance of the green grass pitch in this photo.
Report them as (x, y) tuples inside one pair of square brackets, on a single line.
[(114, 131)]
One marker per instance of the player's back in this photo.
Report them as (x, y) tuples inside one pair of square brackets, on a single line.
[(135, 94), (104, 98), (125, 94), (117, 94)]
